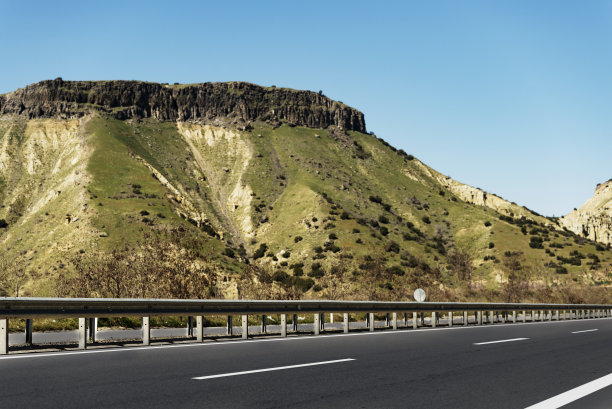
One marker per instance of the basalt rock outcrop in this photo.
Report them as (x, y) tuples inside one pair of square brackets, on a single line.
[(593, 220), (240, 101)]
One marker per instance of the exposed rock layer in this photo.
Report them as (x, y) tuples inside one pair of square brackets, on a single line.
[(594, 219), (134, 99)]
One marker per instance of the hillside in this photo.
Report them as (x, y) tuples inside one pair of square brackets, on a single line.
[(256, 192)]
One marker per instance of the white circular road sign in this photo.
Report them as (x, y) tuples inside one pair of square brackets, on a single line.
[(419, 295)]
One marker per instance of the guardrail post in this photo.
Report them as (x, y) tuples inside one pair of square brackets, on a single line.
[(415, 320), (28, 331), (283, 325), (200, 328), (230, 326), (346, 323), (93, 329), (371, 315), (550, 316), (479, 317), (557, 315), (4, 336), (450, 319), (82, 333), (492, 319), (503, 317), (514, 317), (542, 315), (434, 318), (245, 327), (294, 322), (394, 320), (465, 318), (264, 324), (189, 326), (146, 331), (317, 323)]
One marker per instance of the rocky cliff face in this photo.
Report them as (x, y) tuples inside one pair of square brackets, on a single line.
[(237, 101), (594, 219)]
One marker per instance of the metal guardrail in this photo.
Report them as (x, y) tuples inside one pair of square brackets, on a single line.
[(82, 308)]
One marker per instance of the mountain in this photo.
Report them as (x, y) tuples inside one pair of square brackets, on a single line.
[(127, 188), (594, 219)]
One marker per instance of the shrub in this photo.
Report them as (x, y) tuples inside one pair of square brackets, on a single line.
[(303, 284), (426, 220), (356, 231), (491, 245), (3, 224), (383, 219), (261, 251), (376, 199), (280, 276), (286, 254), (392, 247), (487, 223), (359, 241), (297, 239), (384, 231), (535, 242), (333, 236), (144, 213), (345, 216), (316, 270), (396, 270)]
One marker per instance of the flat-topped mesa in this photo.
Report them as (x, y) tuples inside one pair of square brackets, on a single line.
[(136, 99)]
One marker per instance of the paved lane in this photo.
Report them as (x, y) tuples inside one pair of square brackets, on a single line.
[(439, 368)]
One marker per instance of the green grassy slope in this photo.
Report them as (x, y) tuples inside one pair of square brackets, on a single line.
[(318, 202)]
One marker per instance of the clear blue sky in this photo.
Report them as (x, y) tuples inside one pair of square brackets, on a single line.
[(513, 97)]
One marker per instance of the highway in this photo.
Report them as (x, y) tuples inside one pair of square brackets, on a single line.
[(494, 366)]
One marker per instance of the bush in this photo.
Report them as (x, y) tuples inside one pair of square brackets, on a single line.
[(535, 242), (356, 231), (392, 247), (297, 239), (359, 241), (3, 224), (333, 236), (144, 213), (376, 199), (316, 270), (383, 219), (491, 245), (280, 276), (303, 284), (384, 231), (261, 251), (286, 254), (426, 220), (487, 223), (345, 216), (396, 270)]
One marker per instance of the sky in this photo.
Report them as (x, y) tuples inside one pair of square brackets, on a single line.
[(509, 96)]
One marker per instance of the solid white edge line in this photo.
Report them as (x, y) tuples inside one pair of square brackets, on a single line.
[(574, 394), (586, 330), (278, 368), (401, 330), (501, 340)]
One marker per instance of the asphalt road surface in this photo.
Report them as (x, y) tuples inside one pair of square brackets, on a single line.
[(544, 365)]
